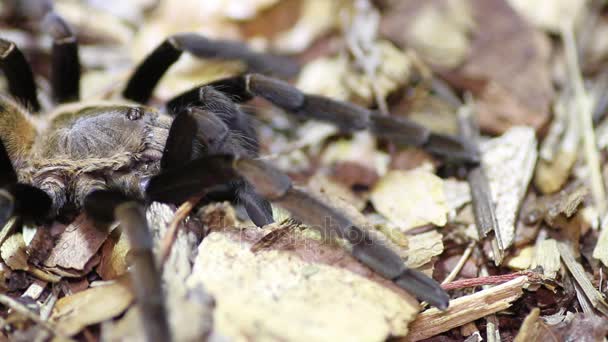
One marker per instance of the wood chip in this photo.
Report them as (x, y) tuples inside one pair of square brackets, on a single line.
[(508, 162), (13, 252), (114, 252), (466, 309), (576, 269), (547, 256), (296, 288)]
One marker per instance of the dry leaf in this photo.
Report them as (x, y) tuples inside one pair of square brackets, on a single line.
[(13, 252), (292, 294), (78, 243), (73, 313), (410, 198), (422, 248), (549, 14), (114, 252)]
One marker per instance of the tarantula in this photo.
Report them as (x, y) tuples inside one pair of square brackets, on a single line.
[(107, 157)]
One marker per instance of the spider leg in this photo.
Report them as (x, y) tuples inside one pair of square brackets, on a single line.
[(276, 186), (108, 206), (346, 116), (65, 69), (141, 84), (197, 132), (19, 75), (17, 198)]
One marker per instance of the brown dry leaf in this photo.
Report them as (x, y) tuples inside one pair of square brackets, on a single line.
[(295, 294), (410, 198), (582, 327), (78, 243), (506, 63), (73, 313), (549, 207), (114, 252)]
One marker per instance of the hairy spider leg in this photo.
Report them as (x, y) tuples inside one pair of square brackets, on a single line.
[(65, 63), (19, 75), (276, 186), (199, 131), (147, 75), (346, 116), (105, 206), (26, 201)]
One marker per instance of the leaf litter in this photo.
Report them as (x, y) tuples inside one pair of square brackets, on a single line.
[(520, 242)]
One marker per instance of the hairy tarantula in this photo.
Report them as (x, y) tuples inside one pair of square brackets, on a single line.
[(107, 157)]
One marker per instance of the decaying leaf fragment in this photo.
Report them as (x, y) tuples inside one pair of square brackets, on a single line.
[(566, 203), (97, 304), (508, 162), (78, 243), (258, 295), (411, 198), (422, 248)]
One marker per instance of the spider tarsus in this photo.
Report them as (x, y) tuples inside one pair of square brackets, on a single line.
[(258, 208), (424, 288)]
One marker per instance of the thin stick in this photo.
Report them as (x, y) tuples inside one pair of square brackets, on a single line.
[(585, 113), (182, 212), (463, 259), (488, 280)]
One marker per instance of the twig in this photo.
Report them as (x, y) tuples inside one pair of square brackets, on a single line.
[(463, 259), (481, 194), (182, 212), (585, 113), (488, 280), (466, 309)]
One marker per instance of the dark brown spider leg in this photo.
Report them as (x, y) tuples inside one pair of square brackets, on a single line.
[(235, 88), (107, 206), (349, 117), (217, 127), (16, 198), (277, 187), (65, 69), (19, 75), (149, 72)]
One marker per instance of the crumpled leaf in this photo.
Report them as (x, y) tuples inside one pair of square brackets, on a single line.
[(73, 313), (294, 294), (411, 198)]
